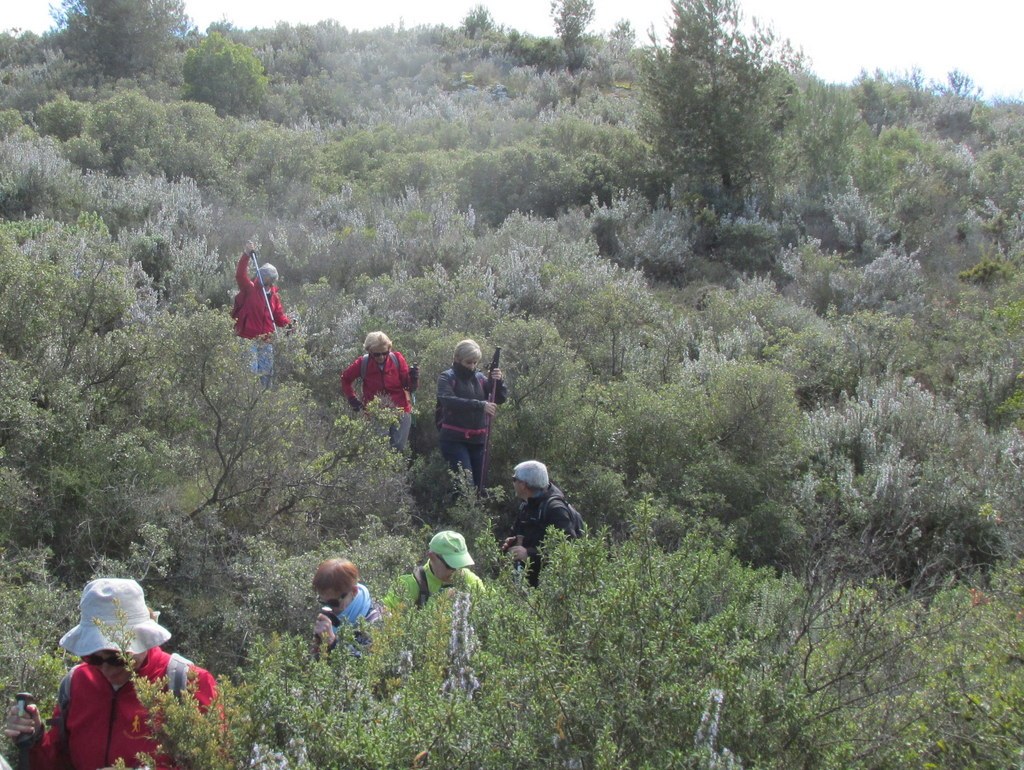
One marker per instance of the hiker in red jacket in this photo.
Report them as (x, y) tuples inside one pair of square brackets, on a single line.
[(385, 375), (258, 311), (102, 720)]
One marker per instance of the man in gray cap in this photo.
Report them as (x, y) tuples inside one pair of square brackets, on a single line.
[(117, 638), (543, 505)]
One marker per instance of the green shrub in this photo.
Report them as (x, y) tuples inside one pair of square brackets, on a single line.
[(224, 74)]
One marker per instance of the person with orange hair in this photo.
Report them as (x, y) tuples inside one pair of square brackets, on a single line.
[(344, 601)]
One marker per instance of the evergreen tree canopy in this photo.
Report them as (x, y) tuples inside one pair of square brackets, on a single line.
[(715, 98), (122, 38), (572, 17), (226, 75)]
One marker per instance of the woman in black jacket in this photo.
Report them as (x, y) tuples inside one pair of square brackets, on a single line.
[(464, 409)]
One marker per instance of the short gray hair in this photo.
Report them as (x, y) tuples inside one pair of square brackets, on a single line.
[(268, 274), (467, 349), (533, 473)]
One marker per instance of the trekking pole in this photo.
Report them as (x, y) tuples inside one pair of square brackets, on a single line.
[(487, 423), (24, 742), (415, 366), (263, 288)]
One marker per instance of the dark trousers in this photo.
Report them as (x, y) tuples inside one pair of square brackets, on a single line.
[(464, 457)]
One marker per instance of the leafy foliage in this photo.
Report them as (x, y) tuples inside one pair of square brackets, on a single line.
[(715, 97), (122, 38), (224, 74), (767, 337)]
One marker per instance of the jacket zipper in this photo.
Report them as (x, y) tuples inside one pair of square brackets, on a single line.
[(110, 726)]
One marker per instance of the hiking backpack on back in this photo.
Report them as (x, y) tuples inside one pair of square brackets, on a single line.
[(578, 525)]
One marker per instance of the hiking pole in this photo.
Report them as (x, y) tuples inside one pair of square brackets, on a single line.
[(263, 288), (25, 741), (487, 423)]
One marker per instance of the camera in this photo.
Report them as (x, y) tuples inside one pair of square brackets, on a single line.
[(331, 615)]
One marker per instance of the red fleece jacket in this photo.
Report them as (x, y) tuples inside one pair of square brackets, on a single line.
[(392, 381), (104, 724), (253, 320)]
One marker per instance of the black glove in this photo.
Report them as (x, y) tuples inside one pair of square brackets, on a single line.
[(414, 377), (355, 403)]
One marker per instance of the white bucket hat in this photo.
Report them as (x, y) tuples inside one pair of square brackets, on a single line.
[(114, 614)]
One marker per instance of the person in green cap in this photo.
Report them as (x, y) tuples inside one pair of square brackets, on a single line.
[(447, 560)]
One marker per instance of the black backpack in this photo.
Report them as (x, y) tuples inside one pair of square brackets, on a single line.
[(578, 525)]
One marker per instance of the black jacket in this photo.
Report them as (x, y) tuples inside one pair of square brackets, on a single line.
[(461, 394), (533, 520)]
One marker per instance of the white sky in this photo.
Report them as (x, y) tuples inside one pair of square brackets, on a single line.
[(979, 38)]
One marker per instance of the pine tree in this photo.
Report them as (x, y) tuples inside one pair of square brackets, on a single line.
[(716, 99)]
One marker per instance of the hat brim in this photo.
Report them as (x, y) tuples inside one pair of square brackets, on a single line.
[(85, 639), (458, 560)]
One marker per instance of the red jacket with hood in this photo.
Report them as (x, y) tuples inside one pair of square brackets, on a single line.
[(104, 724), (252, 320), (390, 380)]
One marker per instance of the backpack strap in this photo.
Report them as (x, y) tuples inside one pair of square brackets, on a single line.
[(64, 703), (364, 362), (421, 580), (542, 510)]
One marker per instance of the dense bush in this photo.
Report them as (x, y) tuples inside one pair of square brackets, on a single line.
[(781, 383), (224, 74)]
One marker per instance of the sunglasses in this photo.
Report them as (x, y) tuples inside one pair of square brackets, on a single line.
[(446, 564), (111, 659), (379, 355)]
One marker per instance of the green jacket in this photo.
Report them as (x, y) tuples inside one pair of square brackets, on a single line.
[(406, 590)]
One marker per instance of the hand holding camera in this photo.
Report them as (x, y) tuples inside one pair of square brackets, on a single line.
[(325, 624)]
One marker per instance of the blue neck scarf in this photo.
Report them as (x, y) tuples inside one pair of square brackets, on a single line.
[(358, 607)]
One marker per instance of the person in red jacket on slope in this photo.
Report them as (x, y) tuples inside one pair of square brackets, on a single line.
[(103, 721), (385, 375), (258, 311)]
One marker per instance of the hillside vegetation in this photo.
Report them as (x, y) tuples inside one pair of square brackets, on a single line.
[(767, 333)]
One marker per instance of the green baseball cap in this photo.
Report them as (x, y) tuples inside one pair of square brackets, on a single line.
[(451, 546)]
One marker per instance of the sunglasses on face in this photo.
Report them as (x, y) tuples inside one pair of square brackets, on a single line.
[(379, 355), (110, 659), (446, 564)]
